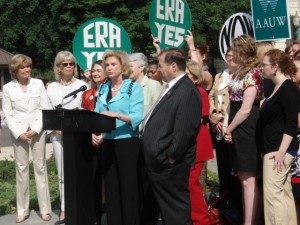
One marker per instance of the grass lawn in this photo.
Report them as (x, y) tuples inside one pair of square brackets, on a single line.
[(8, 186)]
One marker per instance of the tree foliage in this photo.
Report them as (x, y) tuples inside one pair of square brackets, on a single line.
[(41, 28)]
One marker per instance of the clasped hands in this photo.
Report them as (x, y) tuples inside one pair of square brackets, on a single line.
[(216, 119), (27, 136), (97, 139)]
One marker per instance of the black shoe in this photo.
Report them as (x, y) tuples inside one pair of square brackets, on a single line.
[(59, 222)]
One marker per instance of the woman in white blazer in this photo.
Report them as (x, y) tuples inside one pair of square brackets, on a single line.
[(23, 100)]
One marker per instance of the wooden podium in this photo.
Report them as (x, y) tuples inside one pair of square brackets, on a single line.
[(77, 126)]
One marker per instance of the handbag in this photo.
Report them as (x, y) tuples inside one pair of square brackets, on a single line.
[(214, 214)]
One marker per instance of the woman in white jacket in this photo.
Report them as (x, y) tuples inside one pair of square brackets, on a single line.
[(24, 98)]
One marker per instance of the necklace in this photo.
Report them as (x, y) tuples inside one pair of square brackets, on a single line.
[(67, 83), (116, 89)]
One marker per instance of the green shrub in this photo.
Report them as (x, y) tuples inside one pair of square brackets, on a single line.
[(8, 187)]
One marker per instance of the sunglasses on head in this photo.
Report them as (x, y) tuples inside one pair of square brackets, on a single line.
[(68, 64)]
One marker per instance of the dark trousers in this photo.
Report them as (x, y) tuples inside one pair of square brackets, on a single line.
[(120, 164), (97, 176), (171, 189), (149, 207)]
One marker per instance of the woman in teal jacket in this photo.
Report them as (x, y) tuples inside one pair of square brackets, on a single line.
[(122, 99)]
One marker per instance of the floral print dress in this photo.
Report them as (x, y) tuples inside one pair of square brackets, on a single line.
[(246, 145)]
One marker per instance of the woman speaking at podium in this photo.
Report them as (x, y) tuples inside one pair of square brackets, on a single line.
[(122, 99)]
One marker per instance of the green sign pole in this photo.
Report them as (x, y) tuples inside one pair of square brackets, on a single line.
[(97, 35), (169, 21), (271, 20)]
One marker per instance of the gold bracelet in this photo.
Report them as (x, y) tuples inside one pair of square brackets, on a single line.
[(120, 117)]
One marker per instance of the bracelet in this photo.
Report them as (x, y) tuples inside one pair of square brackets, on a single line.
[(224, 126), (120, 117), (193, 49)]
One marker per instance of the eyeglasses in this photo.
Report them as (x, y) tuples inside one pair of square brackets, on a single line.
[(296, 58), (67, 64), (229, 56), (98, 70), (265, 64)]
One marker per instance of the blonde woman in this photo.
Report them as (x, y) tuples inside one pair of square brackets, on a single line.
[(204, 149), (24, 98), (65, 70), (122, 99)]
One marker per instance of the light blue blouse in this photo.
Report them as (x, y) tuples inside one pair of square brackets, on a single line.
[(128, 101)]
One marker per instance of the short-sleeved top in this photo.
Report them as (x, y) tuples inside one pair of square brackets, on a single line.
[(238, 86)]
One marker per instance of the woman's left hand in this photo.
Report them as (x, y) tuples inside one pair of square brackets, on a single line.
[(227, 136), (278, 160)]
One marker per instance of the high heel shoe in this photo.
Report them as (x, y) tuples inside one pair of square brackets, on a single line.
[(21, 219)]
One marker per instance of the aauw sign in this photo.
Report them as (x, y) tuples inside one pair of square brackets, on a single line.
[(169, 21), (271, 20), (235, 25), (97, 35)]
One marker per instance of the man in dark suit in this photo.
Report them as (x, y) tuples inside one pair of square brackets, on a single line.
[(169, 139)]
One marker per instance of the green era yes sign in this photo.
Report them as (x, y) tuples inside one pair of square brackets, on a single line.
[(97, 35), (169, 21)]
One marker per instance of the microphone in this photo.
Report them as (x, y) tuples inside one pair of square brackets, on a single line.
[(73, 93)]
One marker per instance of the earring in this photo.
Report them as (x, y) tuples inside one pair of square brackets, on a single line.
[(274, 74)]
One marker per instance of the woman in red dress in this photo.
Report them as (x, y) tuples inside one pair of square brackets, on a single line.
[(204, 150), (89, 98)]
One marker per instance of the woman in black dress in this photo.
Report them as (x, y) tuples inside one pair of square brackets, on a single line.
[(240, 122)]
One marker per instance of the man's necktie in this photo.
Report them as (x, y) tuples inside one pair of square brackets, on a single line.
[(166, 86)]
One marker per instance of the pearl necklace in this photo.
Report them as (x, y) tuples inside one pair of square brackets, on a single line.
[(67, 83), (116, 89)]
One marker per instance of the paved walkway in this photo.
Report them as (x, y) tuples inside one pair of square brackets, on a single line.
[(33, 219)]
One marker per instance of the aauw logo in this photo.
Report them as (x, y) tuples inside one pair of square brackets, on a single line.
[(265, 3), (236, 25)]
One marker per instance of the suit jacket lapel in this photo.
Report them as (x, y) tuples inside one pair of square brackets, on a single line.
[(17, 91), (167, 96)]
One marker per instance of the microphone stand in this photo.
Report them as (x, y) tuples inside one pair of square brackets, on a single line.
[(59, 106), (61, 113)]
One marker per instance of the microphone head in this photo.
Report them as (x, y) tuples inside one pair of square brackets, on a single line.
[(83, 88)]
